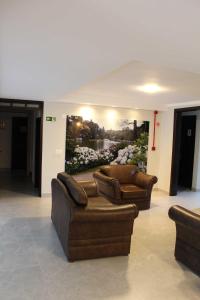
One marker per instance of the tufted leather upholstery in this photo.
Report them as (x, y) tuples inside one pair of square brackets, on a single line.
[(97, 229), (187, 248), (124, 184)]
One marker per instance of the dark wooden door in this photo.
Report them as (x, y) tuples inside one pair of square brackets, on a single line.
[(38, 154), (187, 145), (19, 143)]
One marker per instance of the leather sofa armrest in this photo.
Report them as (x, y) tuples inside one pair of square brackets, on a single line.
[(59, 193), (117, 213), (145, 181), (89, 186), (184, 217), (99, 176), (62, 205), (108, 186)]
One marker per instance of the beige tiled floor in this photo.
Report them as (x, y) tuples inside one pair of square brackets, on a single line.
[(33, 266)]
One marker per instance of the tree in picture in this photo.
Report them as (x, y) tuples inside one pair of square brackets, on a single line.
[(89, 145)]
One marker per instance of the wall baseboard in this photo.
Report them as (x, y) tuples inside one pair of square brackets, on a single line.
[(156, 189), (46, 195), (195, 190)]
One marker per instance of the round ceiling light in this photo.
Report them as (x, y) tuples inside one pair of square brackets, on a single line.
[(150, 88)]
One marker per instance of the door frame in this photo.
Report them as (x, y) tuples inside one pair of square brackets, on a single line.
[(27, 106), (176, 148)]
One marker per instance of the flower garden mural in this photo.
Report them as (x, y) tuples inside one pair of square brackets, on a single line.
[(89, 145)]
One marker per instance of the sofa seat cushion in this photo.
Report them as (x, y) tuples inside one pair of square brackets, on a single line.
[(130, 191), (99, 202)]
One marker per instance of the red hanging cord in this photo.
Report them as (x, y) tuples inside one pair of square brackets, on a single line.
[(154, 131)]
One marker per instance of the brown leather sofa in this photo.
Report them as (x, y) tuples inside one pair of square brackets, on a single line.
[(124, 184), (88, 225), (187, 248)]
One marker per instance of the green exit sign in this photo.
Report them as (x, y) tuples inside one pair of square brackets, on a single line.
[(50, 119)]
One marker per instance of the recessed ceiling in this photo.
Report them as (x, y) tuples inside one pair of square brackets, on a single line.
[(50, 48), (120, 88)]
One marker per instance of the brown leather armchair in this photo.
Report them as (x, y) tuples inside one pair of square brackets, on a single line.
[(187, 248), (88, 225), (124, 184)]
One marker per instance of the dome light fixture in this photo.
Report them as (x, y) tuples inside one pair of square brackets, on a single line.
[(150, 88)]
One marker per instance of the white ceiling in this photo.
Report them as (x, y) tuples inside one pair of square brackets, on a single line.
[(120, 88), (49, 48)]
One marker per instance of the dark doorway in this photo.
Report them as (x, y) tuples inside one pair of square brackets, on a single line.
[(187, 145), (19, 143), (183, 149), (21, 146)]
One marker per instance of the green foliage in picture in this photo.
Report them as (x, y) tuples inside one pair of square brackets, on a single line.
[(88, 145)]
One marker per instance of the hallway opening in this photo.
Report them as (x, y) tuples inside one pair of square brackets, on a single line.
[(185, 169), (21, 146)]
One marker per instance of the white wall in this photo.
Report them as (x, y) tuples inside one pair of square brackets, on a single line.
[(165, 151), (53, 157), (54, 134)]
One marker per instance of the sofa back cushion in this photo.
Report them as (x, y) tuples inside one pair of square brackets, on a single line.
[(124, 173), (75, 190)]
